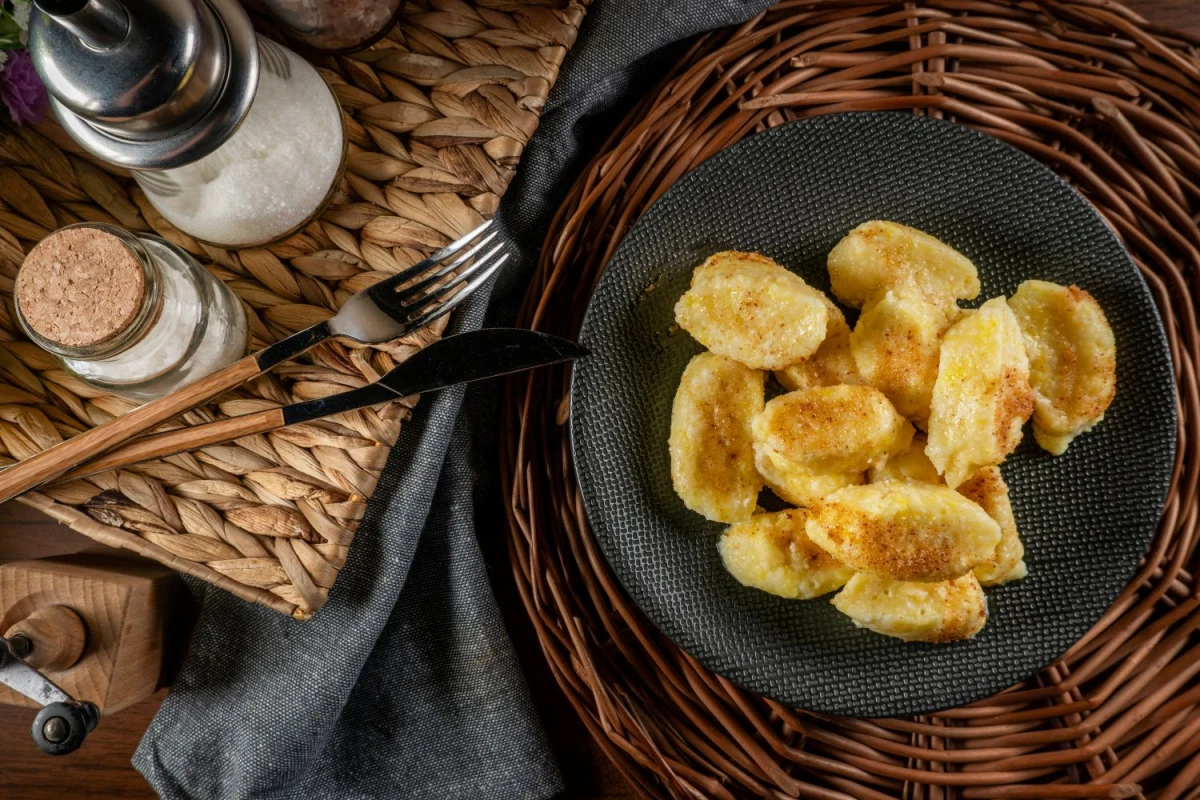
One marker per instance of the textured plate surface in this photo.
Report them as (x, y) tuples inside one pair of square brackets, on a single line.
[(792, 192)]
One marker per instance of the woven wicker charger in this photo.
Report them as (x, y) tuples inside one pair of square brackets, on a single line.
[(1111, 103), (437, 116)]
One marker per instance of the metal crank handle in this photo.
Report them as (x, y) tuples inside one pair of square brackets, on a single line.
[(60, 728), (64, 722)]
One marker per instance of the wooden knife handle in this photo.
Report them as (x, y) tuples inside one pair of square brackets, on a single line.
[(170, 442), (48, 464)]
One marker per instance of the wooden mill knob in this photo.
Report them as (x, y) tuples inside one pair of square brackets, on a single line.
[(58, 637)]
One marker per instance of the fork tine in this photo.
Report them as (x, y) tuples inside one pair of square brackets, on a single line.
[(458, 262), (459, 296), (414, 301), (416, 288), (441, 255)]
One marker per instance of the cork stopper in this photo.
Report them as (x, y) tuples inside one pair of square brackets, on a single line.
[(80, 287)]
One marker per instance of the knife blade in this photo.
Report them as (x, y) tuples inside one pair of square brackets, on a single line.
[(463, 358)]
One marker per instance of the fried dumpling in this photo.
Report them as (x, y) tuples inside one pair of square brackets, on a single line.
[(987, 489), (795, 483), (910, 465), (833, 428), (880, 255), (915, 612), (772, 552), (982, 396), (832, 364), (896, 345), (746, 307), (711, 443), (1072, 360), (902, 530)]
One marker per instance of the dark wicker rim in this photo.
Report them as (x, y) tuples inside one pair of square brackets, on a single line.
[(1110, 102)]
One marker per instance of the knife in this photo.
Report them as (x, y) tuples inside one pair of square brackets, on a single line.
[(463, 358)]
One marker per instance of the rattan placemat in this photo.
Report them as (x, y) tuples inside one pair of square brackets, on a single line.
[(1113, 105), (437, 116)]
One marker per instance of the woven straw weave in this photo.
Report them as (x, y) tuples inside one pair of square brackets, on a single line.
[(1112, 104), (437, 115)]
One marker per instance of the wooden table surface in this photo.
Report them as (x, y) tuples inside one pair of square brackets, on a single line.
[(101, 769)]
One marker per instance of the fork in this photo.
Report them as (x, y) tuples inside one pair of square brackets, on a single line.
[(394, 307)]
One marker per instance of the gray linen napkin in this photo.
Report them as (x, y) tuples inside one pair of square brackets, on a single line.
[(406, 685)]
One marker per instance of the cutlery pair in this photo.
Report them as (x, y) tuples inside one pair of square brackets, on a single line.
[(388, 310)]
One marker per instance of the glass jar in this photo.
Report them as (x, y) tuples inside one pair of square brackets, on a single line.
[(133, 315), (334, 26), (277, 171)]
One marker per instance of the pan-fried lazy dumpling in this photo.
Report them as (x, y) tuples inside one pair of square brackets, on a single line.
[(796, 484), (988, 490), (916, 612), (746, 307), (910, 465), (896, 344), (981, 397), (879, 255), (831, 365), (832, 428), (772, 552), (712, 452), (903, 530), (1072, 360)]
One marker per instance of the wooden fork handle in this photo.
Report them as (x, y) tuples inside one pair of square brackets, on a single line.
[(170, 442), (49, 464)]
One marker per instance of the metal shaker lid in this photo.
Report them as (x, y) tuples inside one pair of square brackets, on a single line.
[(148, 84)]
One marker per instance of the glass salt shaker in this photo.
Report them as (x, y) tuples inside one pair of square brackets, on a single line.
[(131, 315), (236, 140)]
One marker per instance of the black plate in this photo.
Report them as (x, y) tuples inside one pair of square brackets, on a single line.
[(792, 192)]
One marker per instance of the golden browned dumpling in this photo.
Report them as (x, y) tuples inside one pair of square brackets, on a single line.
[(910, 465), (896, 345), (982, 396), (794, 483), (988, 490), (831, 365), (746, 307), (903, 530), (832, 428), (1072, 360), (712, 452), (878, 255), (772, 552), (916, 612)]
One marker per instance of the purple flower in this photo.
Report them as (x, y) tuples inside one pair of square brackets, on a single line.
[(22, 90)]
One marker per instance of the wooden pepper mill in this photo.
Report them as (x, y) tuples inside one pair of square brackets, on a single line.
[(95, 627)]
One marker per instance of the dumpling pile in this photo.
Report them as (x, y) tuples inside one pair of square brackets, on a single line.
[(888, 436)]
